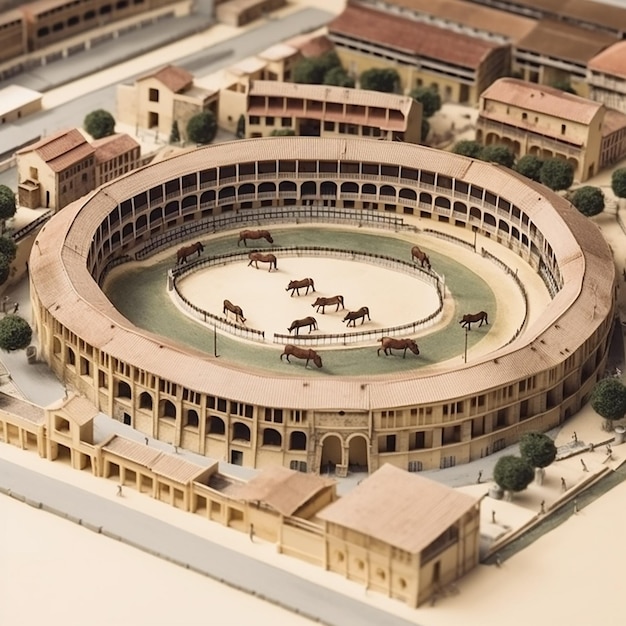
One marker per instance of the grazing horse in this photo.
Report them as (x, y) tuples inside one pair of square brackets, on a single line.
[(311, 322), (324, 302), (254, 234), (389, 343), (185, 251), (352, 316), (421, 256), (255, 257), (236, 310), (469, 318), (296, 285), (301, 353)]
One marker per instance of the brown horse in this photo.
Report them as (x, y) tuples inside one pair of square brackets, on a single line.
[(389, 343), (296, 285), (324, 302), (301, 353), (421, 256), (352, 316), (185, 251), (469, 318), (236, 310), (311, 322), (256, 257), (244, 235)]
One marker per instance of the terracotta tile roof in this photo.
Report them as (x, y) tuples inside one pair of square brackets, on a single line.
[(563, 41), (401, 509), (12, 15), (612, 60), (472, 15), (312, 46), (613, 121), (414, 38), (283, 489), (132, 451), (108, 148), (542, 99), (61, 150), (176, 468), (176, 79), (78, 408)]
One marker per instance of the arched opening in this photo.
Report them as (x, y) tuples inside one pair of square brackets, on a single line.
[(156, 215), (368, 189), (267, 188), (475, 212), (409, 194), (71, 356), (167, 409), (459, 207), (141, 223), (489, 219), (329, 188), (387, 190), (271, 437), (127, 231), (442, 203), (297, 440), (309, 188), (189, 204), (171, 209), (241, 432), (123, 389), (503, 226), (349, 188), (192, 418), (426, 198), (287, 185), (331, 453), (227, 193), (56, 345), (357, 454), (145, 401), (216, 425), (207, 196)]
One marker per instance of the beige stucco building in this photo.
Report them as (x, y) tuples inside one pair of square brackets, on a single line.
[(546, 122), (325, 111), (417, 419), (606, 76), (17, 102), (55, 170), (158, 99)]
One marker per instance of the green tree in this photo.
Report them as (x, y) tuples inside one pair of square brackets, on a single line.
[(7, 204), (497, 154), (467, 147), (8, 248), (557, 174), (15, 333), (175, 133), (564, 85), (512, 473), (618, 182), (538, 449), (202, 127), (530, 166), (430, 99), (241, 127), (282, 132), (377, 79), (588, 200), (99, 123), (608, 399), (5, 268), (339, 77), (312, 70)]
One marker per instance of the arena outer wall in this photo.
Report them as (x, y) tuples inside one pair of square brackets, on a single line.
[(195, 401)]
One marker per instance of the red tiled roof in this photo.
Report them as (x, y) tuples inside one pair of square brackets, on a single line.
[(61, 150), (174, 78), (108, 148), (612, 60), (411, 37)]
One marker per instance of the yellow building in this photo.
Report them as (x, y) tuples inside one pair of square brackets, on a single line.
[(17, 102), (325, 111), (402, 535), (55, 170), (158, 99), (543, 121), (457, 65)]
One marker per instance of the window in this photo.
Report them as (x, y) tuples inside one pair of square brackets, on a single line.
[(153, 95), (286, 122), (255, 119), (563, 129), (269, 121), (524, 116)]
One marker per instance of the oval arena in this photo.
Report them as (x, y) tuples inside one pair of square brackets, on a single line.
[(416, 418)]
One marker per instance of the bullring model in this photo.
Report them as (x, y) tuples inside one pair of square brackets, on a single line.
[(416, 419)]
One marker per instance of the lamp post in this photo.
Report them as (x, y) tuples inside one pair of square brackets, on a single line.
[(465, 351)]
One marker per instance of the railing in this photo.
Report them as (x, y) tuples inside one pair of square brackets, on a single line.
[(110, 265), (34, 225), (248, 217), (431, 277), (450, 238)]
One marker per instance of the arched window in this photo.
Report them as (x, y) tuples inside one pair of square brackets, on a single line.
[(167, 409), (192, 418), (145, 401), (241, 432), (297, 440), (216, 425), (272, 437), (123, 389)]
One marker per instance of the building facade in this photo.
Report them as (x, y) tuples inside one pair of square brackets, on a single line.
[(543, 121), (157, 100), (115, 155), (606, 76), (454, 415)]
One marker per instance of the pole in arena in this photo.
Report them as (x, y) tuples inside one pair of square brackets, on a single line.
[(465, 351), (215, 354)]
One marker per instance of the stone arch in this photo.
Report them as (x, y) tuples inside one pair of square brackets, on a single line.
[(145, 401), (246, 190), (156, 215), (207, 196), (308, 188), (442, 203), (123, 389), (489, 219), (328, 188), (357, 453), (388, 190), (349, 187), (167, 409), (141, 223), (332, 452), (459, 207), (227, 193), (288, 186), (171, 209), (192, 418), (503, 226), (127, 230), (408, 194), (426, 198), (267, 187), (189, 202), (475, 212), (368, 189), (216, 426)]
